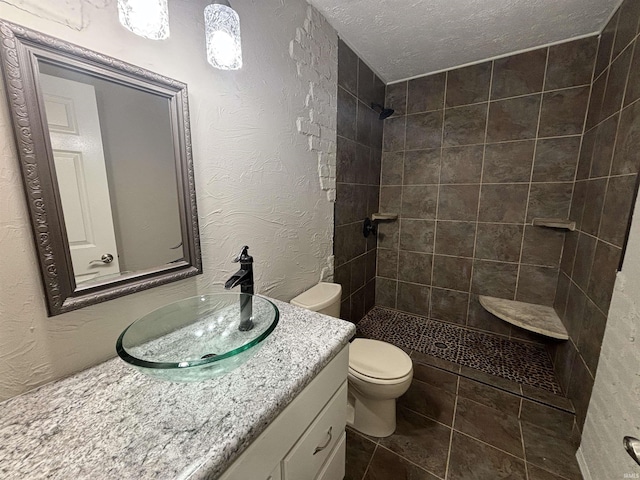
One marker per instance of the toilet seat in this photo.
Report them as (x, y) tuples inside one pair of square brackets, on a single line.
[(378, 362)]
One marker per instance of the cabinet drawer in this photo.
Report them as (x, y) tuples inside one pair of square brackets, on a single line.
[(335, 467), (315, 446)]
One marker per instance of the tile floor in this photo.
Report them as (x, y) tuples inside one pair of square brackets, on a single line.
[(453, 427), (524, 363)]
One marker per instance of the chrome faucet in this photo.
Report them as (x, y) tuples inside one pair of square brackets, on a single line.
[(244, 278)]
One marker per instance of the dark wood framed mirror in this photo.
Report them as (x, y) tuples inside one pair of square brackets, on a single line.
[(105, 154)]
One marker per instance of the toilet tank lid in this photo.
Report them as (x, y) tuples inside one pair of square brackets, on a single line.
[(377, 359), (319, 296)]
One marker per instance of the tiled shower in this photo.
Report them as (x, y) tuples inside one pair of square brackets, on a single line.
[(470, 157)]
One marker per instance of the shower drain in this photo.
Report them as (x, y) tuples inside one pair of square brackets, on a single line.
[(441, 345)]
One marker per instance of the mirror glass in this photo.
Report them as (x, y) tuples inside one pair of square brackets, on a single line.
[(114, 161), (105, 155)]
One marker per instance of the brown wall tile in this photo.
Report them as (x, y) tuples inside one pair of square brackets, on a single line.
[(627, 25), (424, 130), (563, 112), (449, 305), (508, 162), (392, 168), (465, 125), (503, 203), (603, 147), (556, 159), (626, 158), (366, 87), (455, 238), (615, 84), (468, 85), (513, 119), (584, 260), (549, 200), (415, 267), (603, 274), (461, 164), (591, 335), (500, 242), (537, 284), (347, 68), (496, 279), (421, 166), (605, 47), (542, 246), (458, 202), (618, 204), (346, 119), (413, 298), (518, 74), (571, 64), (394, 130), (633, 86), (419, 201), (483, 320), (387, 263), (417, 235), (594, 200), (396, 98), (452, 272), (386, 292), (426, 93)]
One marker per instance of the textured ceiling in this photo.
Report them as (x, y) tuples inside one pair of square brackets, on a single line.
[(406, 38)]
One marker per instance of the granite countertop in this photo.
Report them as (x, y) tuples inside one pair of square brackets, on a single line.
[(110, 421)]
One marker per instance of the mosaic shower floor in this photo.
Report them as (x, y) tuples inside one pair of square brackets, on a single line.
[(520, 362)]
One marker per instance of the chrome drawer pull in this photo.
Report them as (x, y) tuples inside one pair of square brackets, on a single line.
[(319, 449)]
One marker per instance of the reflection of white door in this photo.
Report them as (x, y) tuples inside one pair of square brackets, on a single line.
[(74, 127)]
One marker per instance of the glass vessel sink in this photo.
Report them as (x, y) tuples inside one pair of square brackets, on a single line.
[(199, 337)]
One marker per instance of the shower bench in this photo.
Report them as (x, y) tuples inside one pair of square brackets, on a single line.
[(530, 316)]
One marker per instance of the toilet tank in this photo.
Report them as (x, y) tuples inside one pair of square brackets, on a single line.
[(322, 298)]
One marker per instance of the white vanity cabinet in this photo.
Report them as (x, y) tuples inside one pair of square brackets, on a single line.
[(307, 440)]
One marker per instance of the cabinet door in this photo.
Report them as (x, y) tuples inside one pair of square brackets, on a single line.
[(316, 445), (335, 468), (276, 474)]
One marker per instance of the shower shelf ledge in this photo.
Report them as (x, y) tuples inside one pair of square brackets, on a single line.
[(530, 316)]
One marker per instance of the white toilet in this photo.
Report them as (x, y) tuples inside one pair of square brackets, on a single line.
[(378, 371)]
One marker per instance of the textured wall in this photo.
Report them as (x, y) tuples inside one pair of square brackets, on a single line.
[(602, 200), (316, 55), (358, 176), (256, 180), (470, 158)]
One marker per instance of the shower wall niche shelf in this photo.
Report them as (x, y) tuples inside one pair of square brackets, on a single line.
[(382, 217), (530, 316), (561, 223)]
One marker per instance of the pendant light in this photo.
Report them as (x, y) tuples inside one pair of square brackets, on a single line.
[(222, 30), (147, 18)]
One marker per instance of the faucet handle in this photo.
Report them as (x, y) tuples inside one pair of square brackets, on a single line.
[(243, 256)]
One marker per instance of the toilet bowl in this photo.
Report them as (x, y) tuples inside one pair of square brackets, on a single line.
[(378, 371)]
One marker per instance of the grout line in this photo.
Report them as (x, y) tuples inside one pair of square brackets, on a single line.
[(375, 449), (475, 237), (435, 224), (533, 167), (410, 461), (521, 140), (453, 423), (489, 445)]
